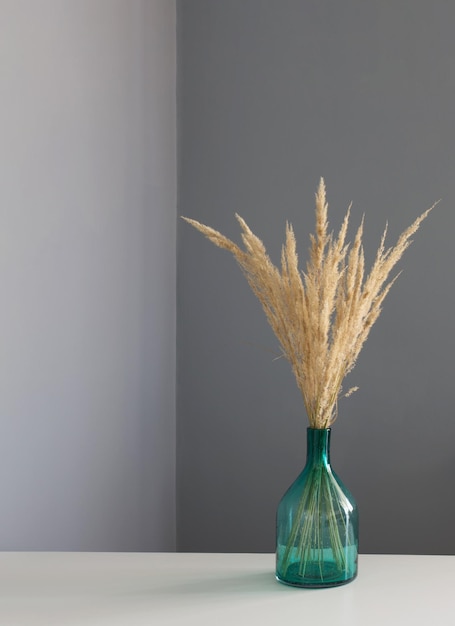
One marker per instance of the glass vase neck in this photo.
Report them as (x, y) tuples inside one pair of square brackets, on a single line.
[(318, 446)]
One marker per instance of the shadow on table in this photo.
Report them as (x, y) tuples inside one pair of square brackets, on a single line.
[(248, 584)]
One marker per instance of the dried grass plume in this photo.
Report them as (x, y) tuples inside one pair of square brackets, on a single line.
[(321, 316)]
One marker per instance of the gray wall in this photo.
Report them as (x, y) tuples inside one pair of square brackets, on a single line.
[(87, 274), (274, 94)]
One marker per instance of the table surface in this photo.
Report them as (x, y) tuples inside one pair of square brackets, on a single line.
[(138, 589)]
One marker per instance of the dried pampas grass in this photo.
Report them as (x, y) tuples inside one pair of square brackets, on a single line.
[(323, 315)]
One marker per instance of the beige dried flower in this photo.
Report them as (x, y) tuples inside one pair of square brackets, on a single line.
[(323, 315)]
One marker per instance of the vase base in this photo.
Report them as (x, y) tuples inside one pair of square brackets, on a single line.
[(316, 584)]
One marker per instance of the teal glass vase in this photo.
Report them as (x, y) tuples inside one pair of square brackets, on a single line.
[(317, 523)]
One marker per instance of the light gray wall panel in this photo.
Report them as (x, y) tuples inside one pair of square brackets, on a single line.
[(87, 274)]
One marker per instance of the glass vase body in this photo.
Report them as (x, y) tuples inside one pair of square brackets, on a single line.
[(317, 523)]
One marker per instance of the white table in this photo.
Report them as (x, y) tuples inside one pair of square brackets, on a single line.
[(138, 589)]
